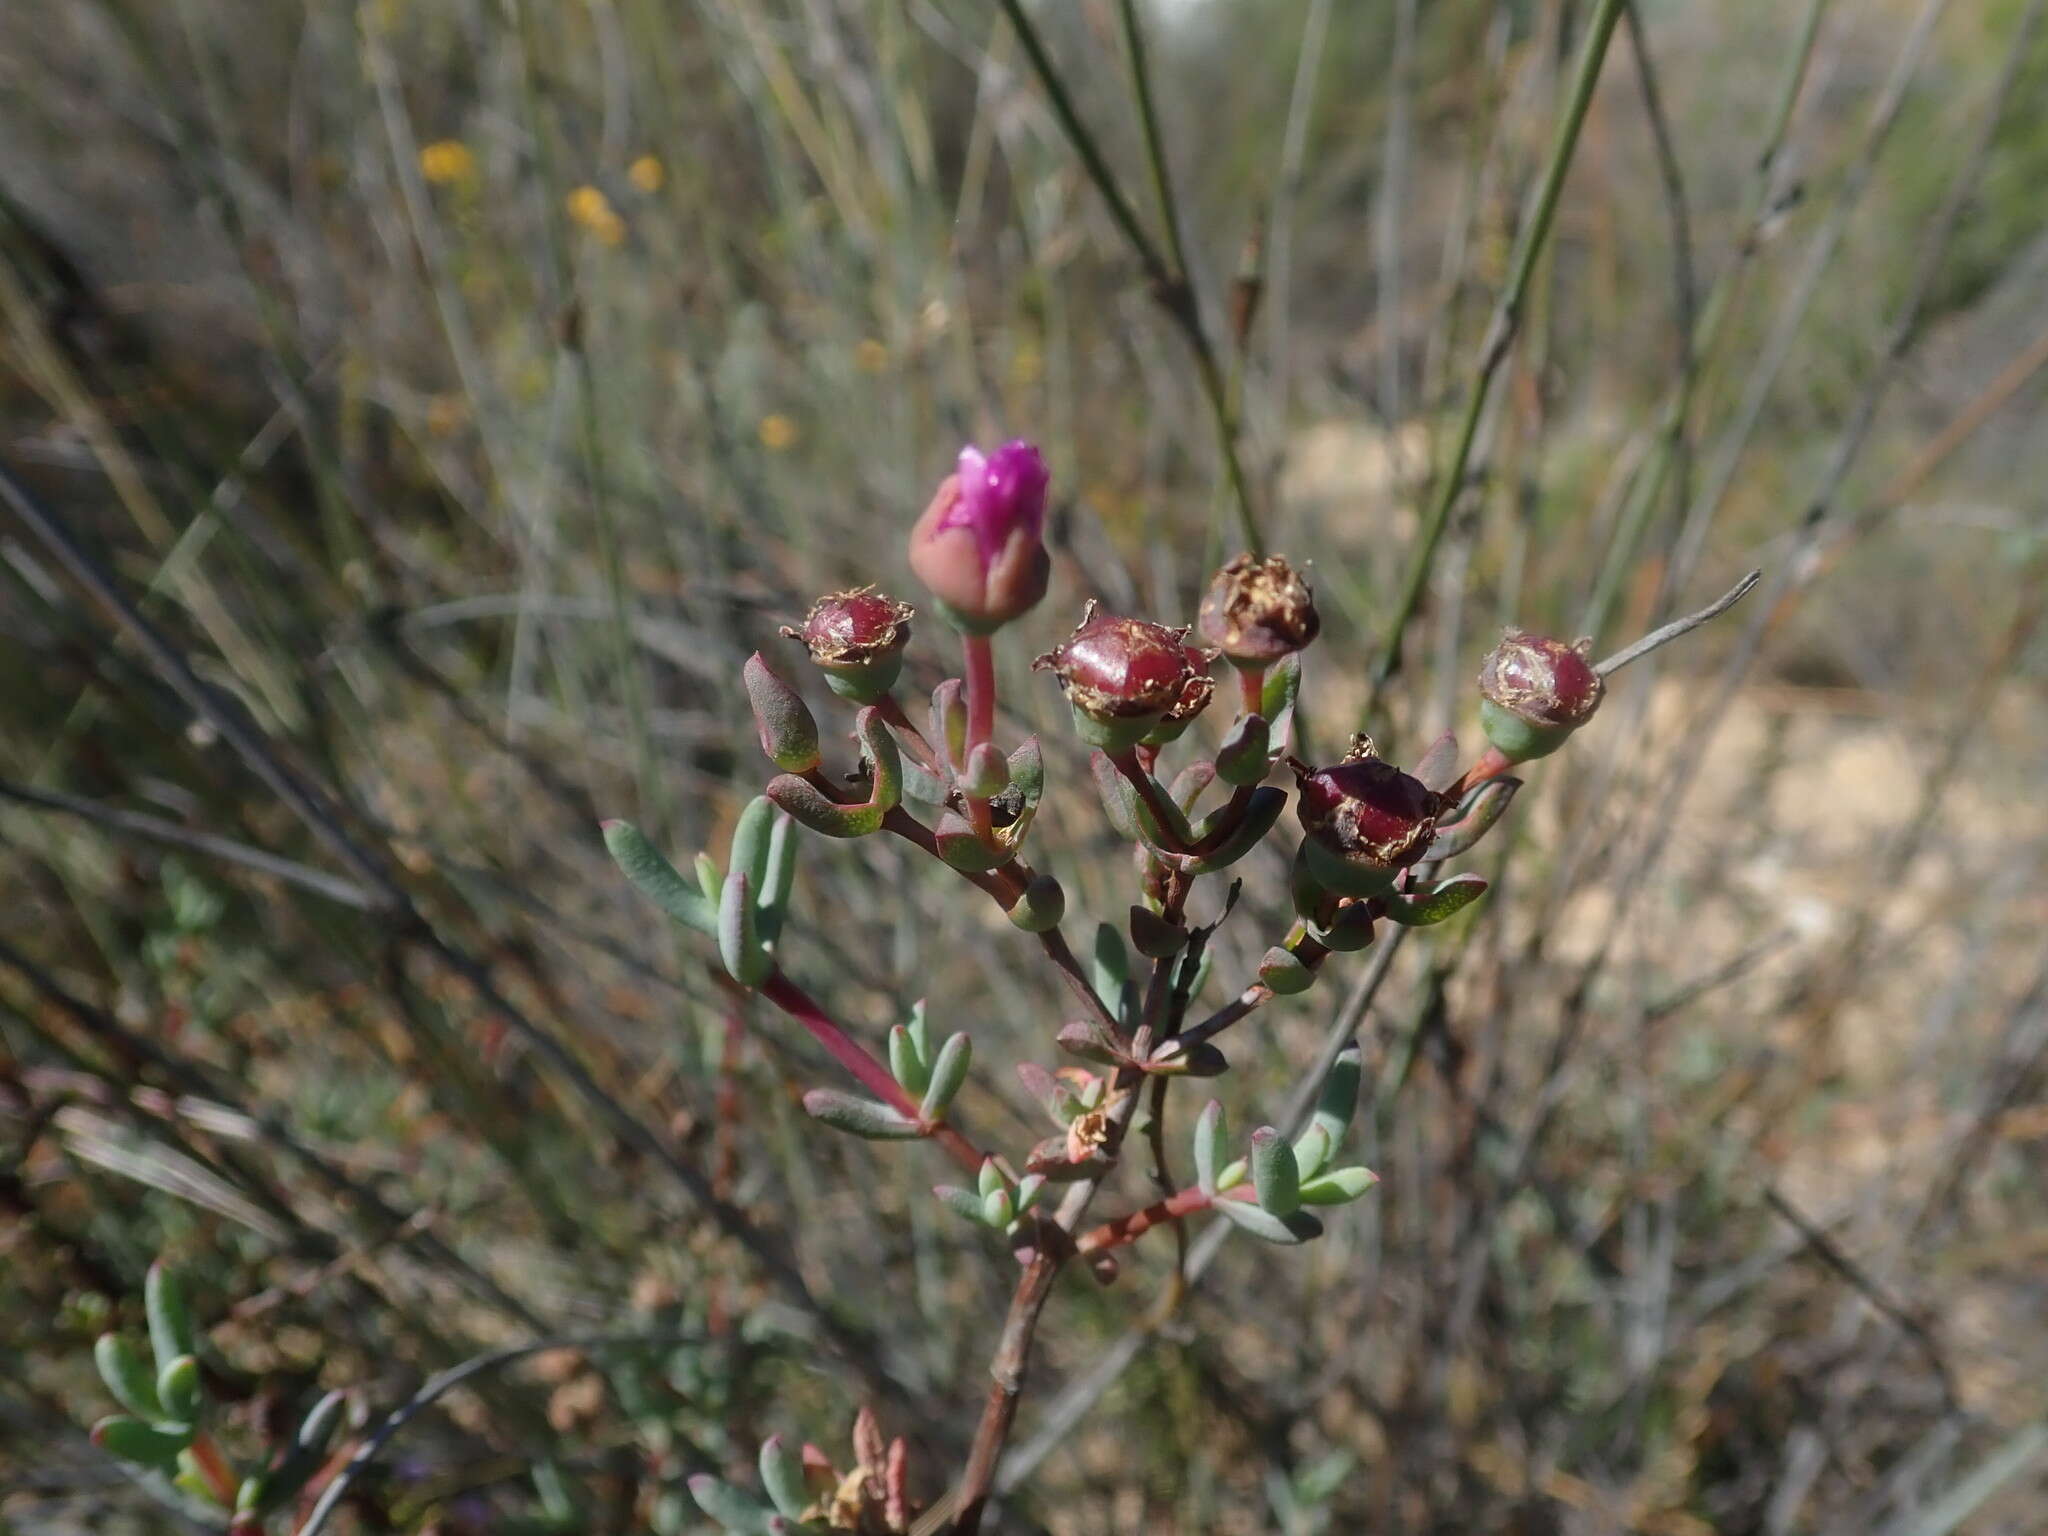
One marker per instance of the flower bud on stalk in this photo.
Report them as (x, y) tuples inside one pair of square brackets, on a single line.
[(979, 546), (1258, 611), (1536, 692), (857, 639), (1122, 676), (1366, 821)]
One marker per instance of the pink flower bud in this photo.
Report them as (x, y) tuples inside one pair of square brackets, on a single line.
[(1366, 820), (979, 546), (857, 640), (1258, 611), (1536, 692), (1123, 676)]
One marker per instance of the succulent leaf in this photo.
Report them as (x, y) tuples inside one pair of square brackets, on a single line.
[(656, 878), (861, 1117)]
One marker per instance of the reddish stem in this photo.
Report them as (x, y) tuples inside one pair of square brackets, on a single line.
[(893, 715), (980, 667), (980, 659), (1251, 683), (220, 1477), (871, 1074), (1164, 812), (1491, 765), (1129, 1228)]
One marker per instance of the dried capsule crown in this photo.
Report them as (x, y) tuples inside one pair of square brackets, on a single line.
[(857, 638), (1258, 611), (1366, 820), (861, 625)]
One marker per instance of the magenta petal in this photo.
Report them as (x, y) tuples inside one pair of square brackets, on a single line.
[(1000, 493)]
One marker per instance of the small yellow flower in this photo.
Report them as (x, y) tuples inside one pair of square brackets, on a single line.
[(1027, 364), (777, 432), (446, 414), (590, 208), (646, 174), (870, 356), (447, 161)]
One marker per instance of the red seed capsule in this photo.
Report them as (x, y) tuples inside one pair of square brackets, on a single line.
[(1365, 820), (857, 639), (1535, 692), (1123, 676)]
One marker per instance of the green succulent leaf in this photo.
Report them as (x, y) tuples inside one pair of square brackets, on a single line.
[(1041, 908), (782, 1474), (147, 1445), (964, 1203), (1338, 1187), (127, 1376), (1295, 1227), (904, 1065), (778, 877), (1260, 813), (170, 1320), (657, 879), (989, 1179), (861, 1117), (1211, 1143), (1276, 698), (178, 1389), (987, 773), (1473, 820), (807, 803), (738, 1512), (1284, 972), (1153, 936), (1245, 755), (746, 959), (1275, 1177), (789, 735), (1437, 768), (949, 1072), (1312, 1149), (1442, 901)]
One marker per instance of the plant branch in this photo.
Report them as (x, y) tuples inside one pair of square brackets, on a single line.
[(1678, 627), (867, 1071)]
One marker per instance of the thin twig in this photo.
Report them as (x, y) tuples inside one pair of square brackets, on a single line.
[(1865, 1285), (159, 829), (1498, 341), (1173, 287), (1678, 627), (444, 1382)]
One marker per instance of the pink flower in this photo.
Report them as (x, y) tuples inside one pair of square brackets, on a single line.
[(979, 546)]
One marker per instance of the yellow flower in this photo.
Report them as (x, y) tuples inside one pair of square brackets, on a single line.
[(1027, 364), (646, 174), (777, 432), (870, 356), (590, 208), (446, 161), (446, 414)]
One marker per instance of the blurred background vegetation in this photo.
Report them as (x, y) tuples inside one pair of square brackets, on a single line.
[(465, 388)]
